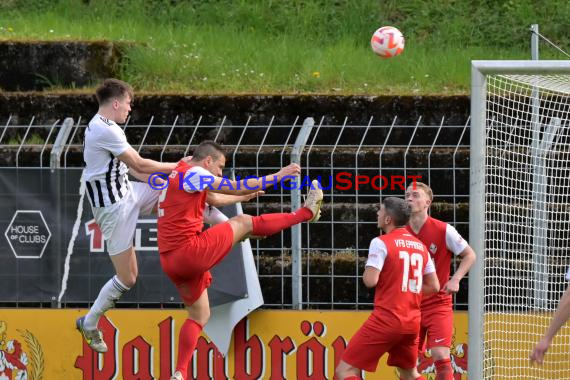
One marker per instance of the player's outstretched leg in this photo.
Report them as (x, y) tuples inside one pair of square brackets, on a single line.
[(263, 225), (269, 224)]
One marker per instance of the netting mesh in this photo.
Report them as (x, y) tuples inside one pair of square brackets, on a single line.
[(527, 222)]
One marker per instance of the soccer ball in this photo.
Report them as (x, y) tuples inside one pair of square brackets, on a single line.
[(387, 42)]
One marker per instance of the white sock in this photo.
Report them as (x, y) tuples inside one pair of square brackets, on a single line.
[(109, 294)]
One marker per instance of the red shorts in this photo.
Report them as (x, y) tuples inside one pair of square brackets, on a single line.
[(189, 266), (437, 324), (370, 343)]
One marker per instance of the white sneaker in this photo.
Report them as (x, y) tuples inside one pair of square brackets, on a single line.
[(94, 338), (177, 376), (314, 200)]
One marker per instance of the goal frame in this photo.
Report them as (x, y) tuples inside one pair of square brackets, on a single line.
[(479, 72)]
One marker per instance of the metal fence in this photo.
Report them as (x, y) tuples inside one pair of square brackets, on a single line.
[(314, 265)]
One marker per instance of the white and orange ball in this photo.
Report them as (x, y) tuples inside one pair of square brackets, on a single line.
[(387, 42)]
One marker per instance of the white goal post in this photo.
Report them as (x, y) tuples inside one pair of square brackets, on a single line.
[(519, 216)]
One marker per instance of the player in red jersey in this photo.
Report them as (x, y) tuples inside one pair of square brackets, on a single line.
[(401, 270), (187, 253), (443, 242)]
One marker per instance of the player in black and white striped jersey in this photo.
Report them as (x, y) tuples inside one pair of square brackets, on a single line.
[(116, 202), (105, 175)]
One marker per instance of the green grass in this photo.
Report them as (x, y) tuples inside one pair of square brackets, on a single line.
[(33, 139), (311, 46)]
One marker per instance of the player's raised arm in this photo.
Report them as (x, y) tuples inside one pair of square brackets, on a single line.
[(205, 173), (221, 200), (144, 166), (253, 185)]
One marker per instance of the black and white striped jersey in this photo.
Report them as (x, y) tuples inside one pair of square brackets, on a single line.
[(105, 176)]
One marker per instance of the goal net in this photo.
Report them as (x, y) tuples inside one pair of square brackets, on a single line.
[(519, 216)]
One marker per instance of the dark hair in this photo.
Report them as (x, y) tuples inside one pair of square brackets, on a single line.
[(113, 88), (398, 209), (208, 148)]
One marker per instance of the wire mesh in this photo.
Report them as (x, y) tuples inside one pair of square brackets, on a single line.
[(342, 157)]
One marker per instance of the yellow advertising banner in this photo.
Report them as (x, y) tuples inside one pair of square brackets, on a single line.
[(43, 344), (509, 339)]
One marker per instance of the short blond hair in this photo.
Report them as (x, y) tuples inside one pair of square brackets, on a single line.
[(426, 189)]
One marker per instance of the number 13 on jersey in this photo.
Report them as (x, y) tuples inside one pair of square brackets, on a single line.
[(415, 262)]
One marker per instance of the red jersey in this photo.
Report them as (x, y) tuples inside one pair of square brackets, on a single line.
[(180, 213), (437, 237), (402, 262)]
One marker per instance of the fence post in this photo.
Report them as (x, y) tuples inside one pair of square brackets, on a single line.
[(55, 158), (296, 279), (534, 42), (60, 142)]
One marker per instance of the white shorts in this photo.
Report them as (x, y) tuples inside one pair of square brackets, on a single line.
[(119, 221)]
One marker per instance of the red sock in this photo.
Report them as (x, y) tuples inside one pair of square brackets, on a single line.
[(187, 340), (352, 377), (443, 369), (269, 224)]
